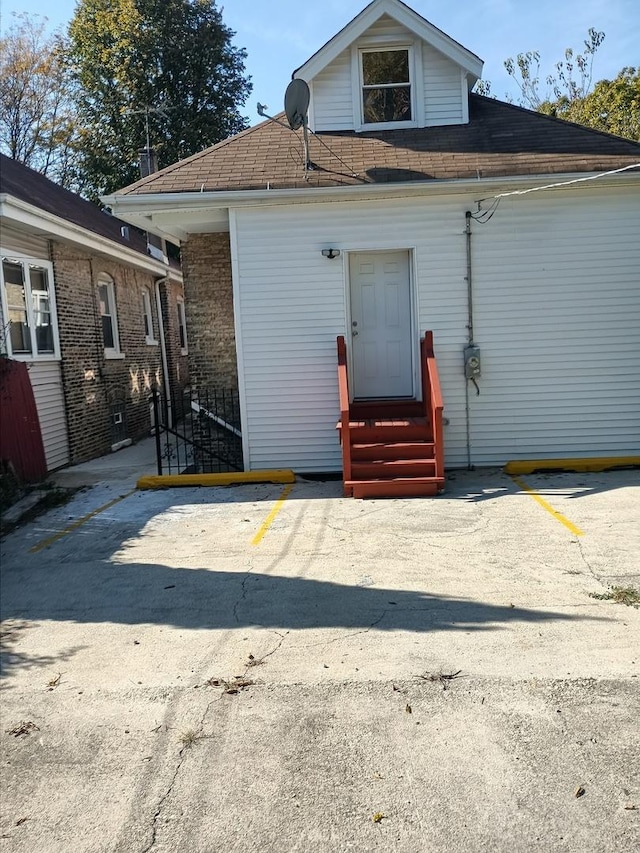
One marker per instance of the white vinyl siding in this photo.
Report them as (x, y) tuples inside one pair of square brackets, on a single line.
[(558, 319), (332, 96), (557, 313), (47, 389), (386, 29), (337, 93), (289, 322), (442, 90)]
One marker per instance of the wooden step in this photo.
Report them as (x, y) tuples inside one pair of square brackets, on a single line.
[(401, 487), (388, 430), (392, 450), (361, 409), (393, 468)]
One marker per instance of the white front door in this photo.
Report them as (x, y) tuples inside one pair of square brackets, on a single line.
[(381, 325)]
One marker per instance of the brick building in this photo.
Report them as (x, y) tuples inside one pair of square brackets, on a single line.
[(206, 262), (96, 313)]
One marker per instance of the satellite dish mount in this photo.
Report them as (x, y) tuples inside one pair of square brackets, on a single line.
[(296, 107)]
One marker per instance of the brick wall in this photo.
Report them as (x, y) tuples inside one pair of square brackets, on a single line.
[(206, 266), (91, 381)]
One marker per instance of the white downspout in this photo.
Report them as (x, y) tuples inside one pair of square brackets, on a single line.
[(163, 350)]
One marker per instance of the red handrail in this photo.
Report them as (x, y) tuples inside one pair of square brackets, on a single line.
[(432, 399), (343, 386)]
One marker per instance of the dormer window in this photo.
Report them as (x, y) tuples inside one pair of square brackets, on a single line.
[(386, 86)]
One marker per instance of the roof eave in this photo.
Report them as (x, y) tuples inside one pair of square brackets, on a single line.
[(142, 208), (22, 213)]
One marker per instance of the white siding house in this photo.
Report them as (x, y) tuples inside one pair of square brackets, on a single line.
[(556, 308), (490, 224)]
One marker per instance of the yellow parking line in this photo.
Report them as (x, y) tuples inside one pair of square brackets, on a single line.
[(76, 524), (269, 519), (554, 512)]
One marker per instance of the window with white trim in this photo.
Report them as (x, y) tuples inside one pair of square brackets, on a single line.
[(386, 86), (28, 306), (108, 316), (182, 327), (148, 318)]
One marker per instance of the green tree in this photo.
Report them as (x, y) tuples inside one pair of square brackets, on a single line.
[(612, 105), (168, 68), (37, 115)]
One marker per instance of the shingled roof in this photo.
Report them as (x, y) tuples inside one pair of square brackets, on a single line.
[(26, 185), (500, 140)]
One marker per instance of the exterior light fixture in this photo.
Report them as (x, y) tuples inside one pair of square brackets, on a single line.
[(331, 253)]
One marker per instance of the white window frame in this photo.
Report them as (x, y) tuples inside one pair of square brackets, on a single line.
[(105, 280), (182, 324), (28, 264), (148, 317), (414, 85)]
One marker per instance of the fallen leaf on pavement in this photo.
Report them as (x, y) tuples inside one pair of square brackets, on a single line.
[(24, 728)]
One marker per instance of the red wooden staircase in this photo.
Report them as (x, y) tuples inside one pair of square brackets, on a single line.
[(392, 448)]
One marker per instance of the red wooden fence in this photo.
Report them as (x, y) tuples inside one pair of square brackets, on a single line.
[(20, 435)]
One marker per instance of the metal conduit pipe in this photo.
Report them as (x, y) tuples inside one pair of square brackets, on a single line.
[(469, 332)]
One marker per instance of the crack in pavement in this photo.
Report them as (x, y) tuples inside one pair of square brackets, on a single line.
[(346, 636), (154, 825), (181, 757), (243, 587), (588, 564), (283, 637), (199, 736)]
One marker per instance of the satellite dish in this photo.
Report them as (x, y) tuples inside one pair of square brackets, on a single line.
[(296, 103)]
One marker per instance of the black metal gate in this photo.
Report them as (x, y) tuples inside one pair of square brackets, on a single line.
[(199, 433)]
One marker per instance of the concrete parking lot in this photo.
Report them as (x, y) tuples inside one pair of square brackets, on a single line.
[(274, 668)]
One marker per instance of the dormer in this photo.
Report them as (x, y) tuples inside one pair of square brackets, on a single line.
[(389, 69)]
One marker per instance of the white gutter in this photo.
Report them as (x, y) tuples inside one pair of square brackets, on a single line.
[(23, 213), (149, 203), (163, 352)]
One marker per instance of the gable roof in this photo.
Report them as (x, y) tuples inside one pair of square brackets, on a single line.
[(22, 183), (500, 140), (404, 15)]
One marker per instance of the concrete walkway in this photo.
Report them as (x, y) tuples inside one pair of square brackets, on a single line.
[(122, 468), (256, 669)]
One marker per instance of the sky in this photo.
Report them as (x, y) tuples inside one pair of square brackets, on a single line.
[(280, 35)]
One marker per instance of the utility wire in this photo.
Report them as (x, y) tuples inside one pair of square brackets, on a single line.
[(561, 183), (354, 174)]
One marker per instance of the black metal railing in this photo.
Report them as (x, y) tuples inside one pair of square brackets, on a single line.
[(199, 433)]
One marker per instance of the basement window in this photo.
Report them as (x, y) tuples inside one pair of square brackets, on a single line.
[(386, 86), (28, 304)]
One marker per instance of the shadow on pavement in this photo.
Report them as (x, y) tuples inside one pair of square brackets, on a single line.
[(139, 593)]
